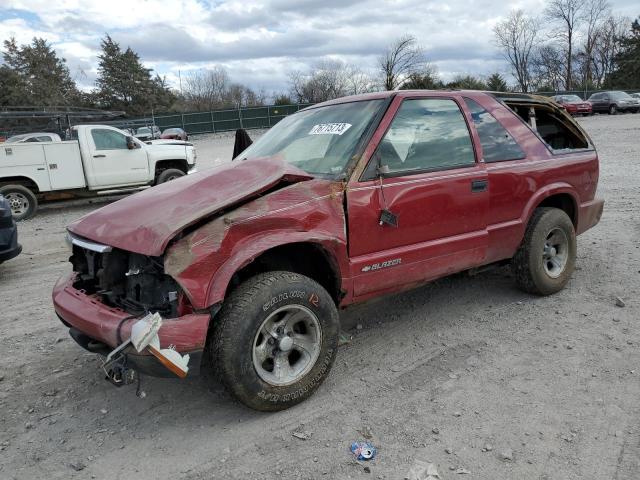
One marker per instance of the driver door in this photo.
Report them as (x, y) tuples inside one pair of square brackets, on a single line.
[(113, 162), (433, 186)]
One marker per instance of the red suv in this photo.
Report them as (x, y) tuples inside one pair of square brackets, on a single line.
[(342, 202)]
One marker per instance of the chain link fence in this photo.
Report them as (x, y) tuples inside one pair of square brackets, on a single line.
[(227, 120)]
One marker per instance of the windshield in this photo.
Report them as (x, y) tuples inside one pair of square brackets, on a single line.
[(620, 95), (319, 140), (144, 130), (571, 98)]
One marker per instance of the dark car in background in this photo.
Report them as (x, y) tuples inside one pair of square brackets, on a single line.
[(573, 104), (174, 134), (614, 102), (9, 246)]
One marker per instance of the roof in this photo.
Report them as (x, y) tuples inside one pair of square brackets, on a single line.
[(527, 97)]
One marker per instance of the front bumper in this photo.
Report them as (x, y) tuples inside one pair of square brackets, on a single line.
[(9, 246), (100, 328), (10, 253)]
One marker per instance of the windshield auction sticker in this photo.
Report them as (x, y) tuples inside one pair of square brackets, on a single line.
[(330, 129)]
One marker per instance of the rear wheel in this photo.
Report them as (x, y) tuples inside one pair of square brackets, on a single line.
[(169, 174), (546, 258), (275, 340), (23, 201)]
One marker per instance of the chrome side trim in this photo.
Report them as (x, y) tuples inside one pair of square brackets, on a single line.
[(87, 244)]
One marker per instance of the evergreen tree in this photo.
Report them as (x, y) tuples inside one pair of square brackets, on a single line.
[(467, 82), (496, 83), (426, 81), (124, 83), (627, 73), (34, 75)]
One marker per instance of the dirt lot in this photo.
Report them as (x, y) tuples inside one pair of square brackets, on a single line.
[(468, 373)]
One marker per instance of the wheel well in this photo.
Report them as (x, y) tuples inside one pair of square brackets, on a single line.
[(308, 259), (24, 181), (564, 202), (166, 164)]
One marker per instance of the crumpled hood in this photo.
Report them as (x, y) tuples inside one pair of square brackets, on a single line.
[(147, 221)]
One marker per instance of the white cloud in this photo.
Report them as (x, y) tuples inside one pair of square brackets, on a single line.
[(261, 41)]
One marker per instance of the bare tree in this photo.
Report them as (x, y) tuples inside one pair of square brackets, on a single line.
[(403, 59), (204, 89), (516, 36), (596, 13), (212, 88), (548, 68), (569, 13), (607, 46), (327, 80), (358, 81)]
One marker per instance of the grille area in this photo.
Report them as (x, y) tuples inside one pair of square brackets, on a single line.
[(136, 283)]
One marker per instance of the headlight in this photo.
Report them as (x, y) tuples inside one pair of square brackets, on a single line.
[(68, 242)]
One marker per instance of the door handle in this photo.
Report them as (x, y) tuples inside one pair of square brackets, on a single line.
[(99, 156), (479, 185)]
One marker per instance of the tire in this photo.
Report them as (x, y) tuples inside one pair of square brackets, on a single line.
[(169, 174), (613, 109), (546, 258), (243, 352), (22, 200)]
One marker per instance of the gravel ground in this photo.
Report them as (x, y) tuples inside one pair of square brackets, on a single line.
[(467, 373)]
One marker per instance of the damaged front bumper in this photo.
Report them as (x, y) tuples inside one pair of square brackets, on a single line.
[(99, 328)]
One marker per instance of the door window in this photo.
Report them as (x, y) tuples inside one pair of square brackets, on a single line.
[(108, 139), (425, 135), (497, 144)]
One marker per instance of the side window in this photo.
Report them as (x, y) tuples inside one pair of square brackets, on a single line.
[(108, 139), (426, 134), (497, 144), (558, 131)]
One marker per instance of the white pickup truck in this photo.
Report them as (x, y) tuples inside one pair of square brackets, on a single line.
[(102, 159)]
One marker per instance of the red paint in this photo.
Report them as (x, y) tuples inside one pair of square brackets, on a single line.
[(576, 107), (95, 319), (443, 227), (145, 222)]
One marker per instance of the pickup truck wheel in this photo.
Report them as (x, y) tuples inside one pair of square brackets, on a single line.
[(275, 340), (169, 174), (547, 256), (23, 201)]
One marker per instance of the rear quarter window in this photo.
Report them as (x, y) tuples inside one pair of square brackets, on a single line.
[(497, 143)]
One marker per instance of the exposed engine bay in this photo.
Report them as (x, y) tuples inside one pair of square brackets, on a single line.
[(133, 282)]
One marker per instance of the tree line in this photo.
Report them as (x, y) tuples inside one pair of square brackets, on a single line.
[(572, 45), (582, 46)]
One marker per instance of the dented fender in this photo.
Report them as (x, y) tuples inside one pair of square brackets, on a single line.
[(204, 261)]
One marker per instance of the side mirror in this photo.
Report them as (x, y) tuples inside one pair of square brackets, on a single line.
[(131, 144)]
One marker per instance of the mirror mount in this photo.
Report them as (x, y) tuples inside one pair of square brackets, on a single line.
[(131, 144)]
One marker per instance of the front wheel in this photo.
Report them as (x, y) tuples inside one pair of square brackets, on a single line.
[(613, 110), (23, 201), (169, 174), (547, 256), (275, 340)]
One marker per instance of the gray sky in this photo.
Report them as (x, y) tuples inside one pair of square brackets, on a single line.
[(259, 42)]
